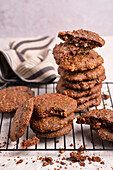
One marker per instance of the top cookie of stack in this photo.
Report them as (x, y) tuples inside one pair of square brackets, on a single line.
[(80, 67)]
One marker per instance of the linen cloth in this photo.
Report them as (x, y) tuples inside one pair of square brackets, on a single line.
[(28, 60)]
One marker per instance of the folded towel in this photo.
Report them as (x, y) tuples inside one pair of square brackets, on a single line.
[(28, 60)]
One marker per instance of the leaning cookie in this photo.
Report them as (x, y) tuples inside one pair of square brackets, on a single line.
[(11, 98), (82, 38), (64, 131), (21, 120)]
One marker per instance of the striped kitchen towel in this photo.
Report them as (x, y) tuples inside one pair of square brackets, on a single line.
[(28, 60)]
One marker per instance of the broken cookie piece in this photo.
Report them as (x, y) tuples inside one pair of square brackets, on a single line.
[(82, 38), (101, 120), (30, 142), (97, 118)]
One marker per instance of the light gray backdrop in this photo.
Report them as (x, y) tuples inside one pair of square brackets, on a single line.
[(47, 17)]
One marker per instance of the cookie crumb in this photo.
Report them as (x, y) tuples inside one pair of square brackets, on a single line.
[(57, 141), (63, 163), (71, 144), (96, 159), (105, 96), (20, 161), (3, 164), (102, 162)]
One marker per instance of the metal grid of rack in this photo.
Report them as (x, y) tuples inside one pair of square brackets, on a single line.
[(80, 134)]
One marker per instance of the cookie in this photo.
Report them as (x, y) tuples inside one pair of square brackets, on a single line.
[(53, 104), (64, 131), (11, 98), (21, 120), (82, 38), (97, 118), (82, 100), (80, 62), (81, 76), (90, 103), (50, 124), (82, 85), (67, 50), (105, 133), (77, 93)]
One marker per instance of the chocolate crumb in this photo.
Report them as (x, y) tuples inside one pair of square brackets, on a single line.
[(18, 156), (71, 144), (62, 151), (105, 96), (82, 164), (20, 161), (63, 163), (26, 163), (96, 159), (47, 161), (57, 141), (102, 162), (3, 164), (63, 158)]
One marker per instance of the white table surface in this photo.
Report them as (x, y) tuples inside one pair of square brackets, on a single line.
[(107, 53)]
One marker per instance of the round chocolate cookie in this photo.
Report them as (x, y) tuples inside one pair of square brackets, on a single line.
[(11, 98), (77, 93), (21, 120), (53, 104), (82, 38), (81, 76), (90, 103), (82, 85), (50, 124), (66, 60), (61, 132)]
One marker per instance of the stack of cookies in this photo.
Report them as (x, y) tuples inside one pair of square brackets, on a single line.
[(53, 115), (50, 115), (80, 67)]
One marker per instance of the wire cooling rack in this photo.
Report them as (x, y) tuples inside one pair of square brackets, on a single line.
[(80, 135)]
